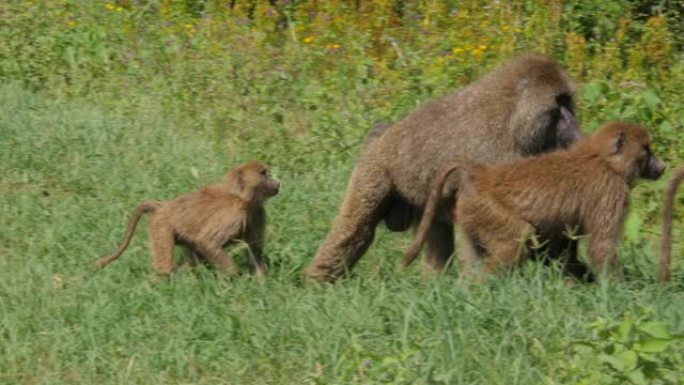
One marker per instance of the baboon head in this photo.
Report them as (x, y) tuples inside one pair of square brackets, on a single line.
[(543, 118), (253, 181), (626, 147)]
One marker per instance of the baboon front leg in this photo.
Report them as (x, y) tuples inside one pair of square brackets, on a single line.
[(603, 238), (440, 245), (565, 249), (192, 257), (604, 257), (354, 227), (161, 244), (255, 241)]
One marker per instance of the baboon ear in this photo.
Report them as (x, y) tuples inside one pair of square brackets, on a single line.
[(236, 180), (240, 180), (619, 142)]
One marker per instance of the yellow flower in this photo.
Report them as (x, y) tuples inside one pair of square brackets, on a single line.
[(110, 6), (308, 39), (482, 47), (477, 52), (332, 46), (119, 9), (456, 50), (71, 23)]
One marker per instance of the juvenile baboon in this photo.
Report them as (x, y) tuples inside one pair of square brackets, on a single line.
[(503, 208), (523, 108), (205, 221), (664, 271)]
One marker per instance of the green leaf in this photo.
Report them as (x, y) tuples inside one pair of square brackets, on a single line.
[(654, 345), (651, 100), (632, 227), (637, 377), (592, 91), (665, 127), (629, 359), (655, 329)]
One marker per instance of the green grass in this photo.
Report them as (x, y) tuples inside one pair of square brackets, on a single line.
[(72, 173)]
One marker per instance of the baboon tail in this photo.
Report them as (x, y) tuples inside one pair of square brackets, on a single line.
[(143, 208), (430, 209), (664, 268)]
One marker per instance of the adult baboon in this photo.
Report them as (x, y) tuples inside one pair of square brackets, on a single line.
[(664, 270), (522, 108), (502, 207), (207, 220)]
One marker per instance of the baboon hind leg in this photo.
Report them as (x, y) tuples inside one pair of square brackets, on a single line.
[(354, 227), (161, 244), (440, 245), (502, 237)]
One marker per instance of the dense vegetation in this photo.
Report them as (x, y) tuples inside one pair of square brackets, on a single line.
[(104, 104)]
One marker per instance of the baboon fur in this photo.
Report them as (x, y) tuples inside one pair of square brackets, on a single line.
[(664, 267), (522, 108), (504, 208), (204, 222)]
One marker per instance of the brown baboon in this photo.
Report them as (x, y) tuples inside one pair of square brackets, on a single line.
[(522, 108), (502, 207), (664, 273), (207, 220)]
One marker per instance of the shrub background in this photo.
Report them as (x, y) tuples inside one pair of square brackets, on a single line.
[(104, 104)]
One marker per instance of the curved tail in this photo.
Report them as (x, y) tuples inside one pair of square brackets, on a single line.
[(664, 267), (143, 208), (430, 209)]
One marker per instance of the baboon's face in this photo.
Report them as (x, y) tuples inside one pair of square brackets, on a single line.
[(634, 146), (567, 129), (650, 167), (258, 177), (254, 179), (269, 185)]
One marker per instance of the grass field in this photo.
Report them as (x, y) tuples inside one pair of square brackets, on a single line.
[(80, 148)]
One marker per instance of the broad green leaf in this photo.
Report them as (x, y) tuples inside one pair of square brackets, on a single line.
[(651, 100), (654, 345), (637, 377), (629, 359), (632, 227), (592, 91), (612, 361), (665, 127), (655, 329)]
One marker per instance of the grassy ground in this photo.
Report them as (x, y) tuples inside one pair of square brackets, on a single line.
[(102, 107), (72, 172)]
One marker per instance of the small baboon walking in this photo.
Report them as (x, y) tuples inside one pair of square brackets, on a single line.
[(664, 269), (204, 222), (523, 108), (503, 208)]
